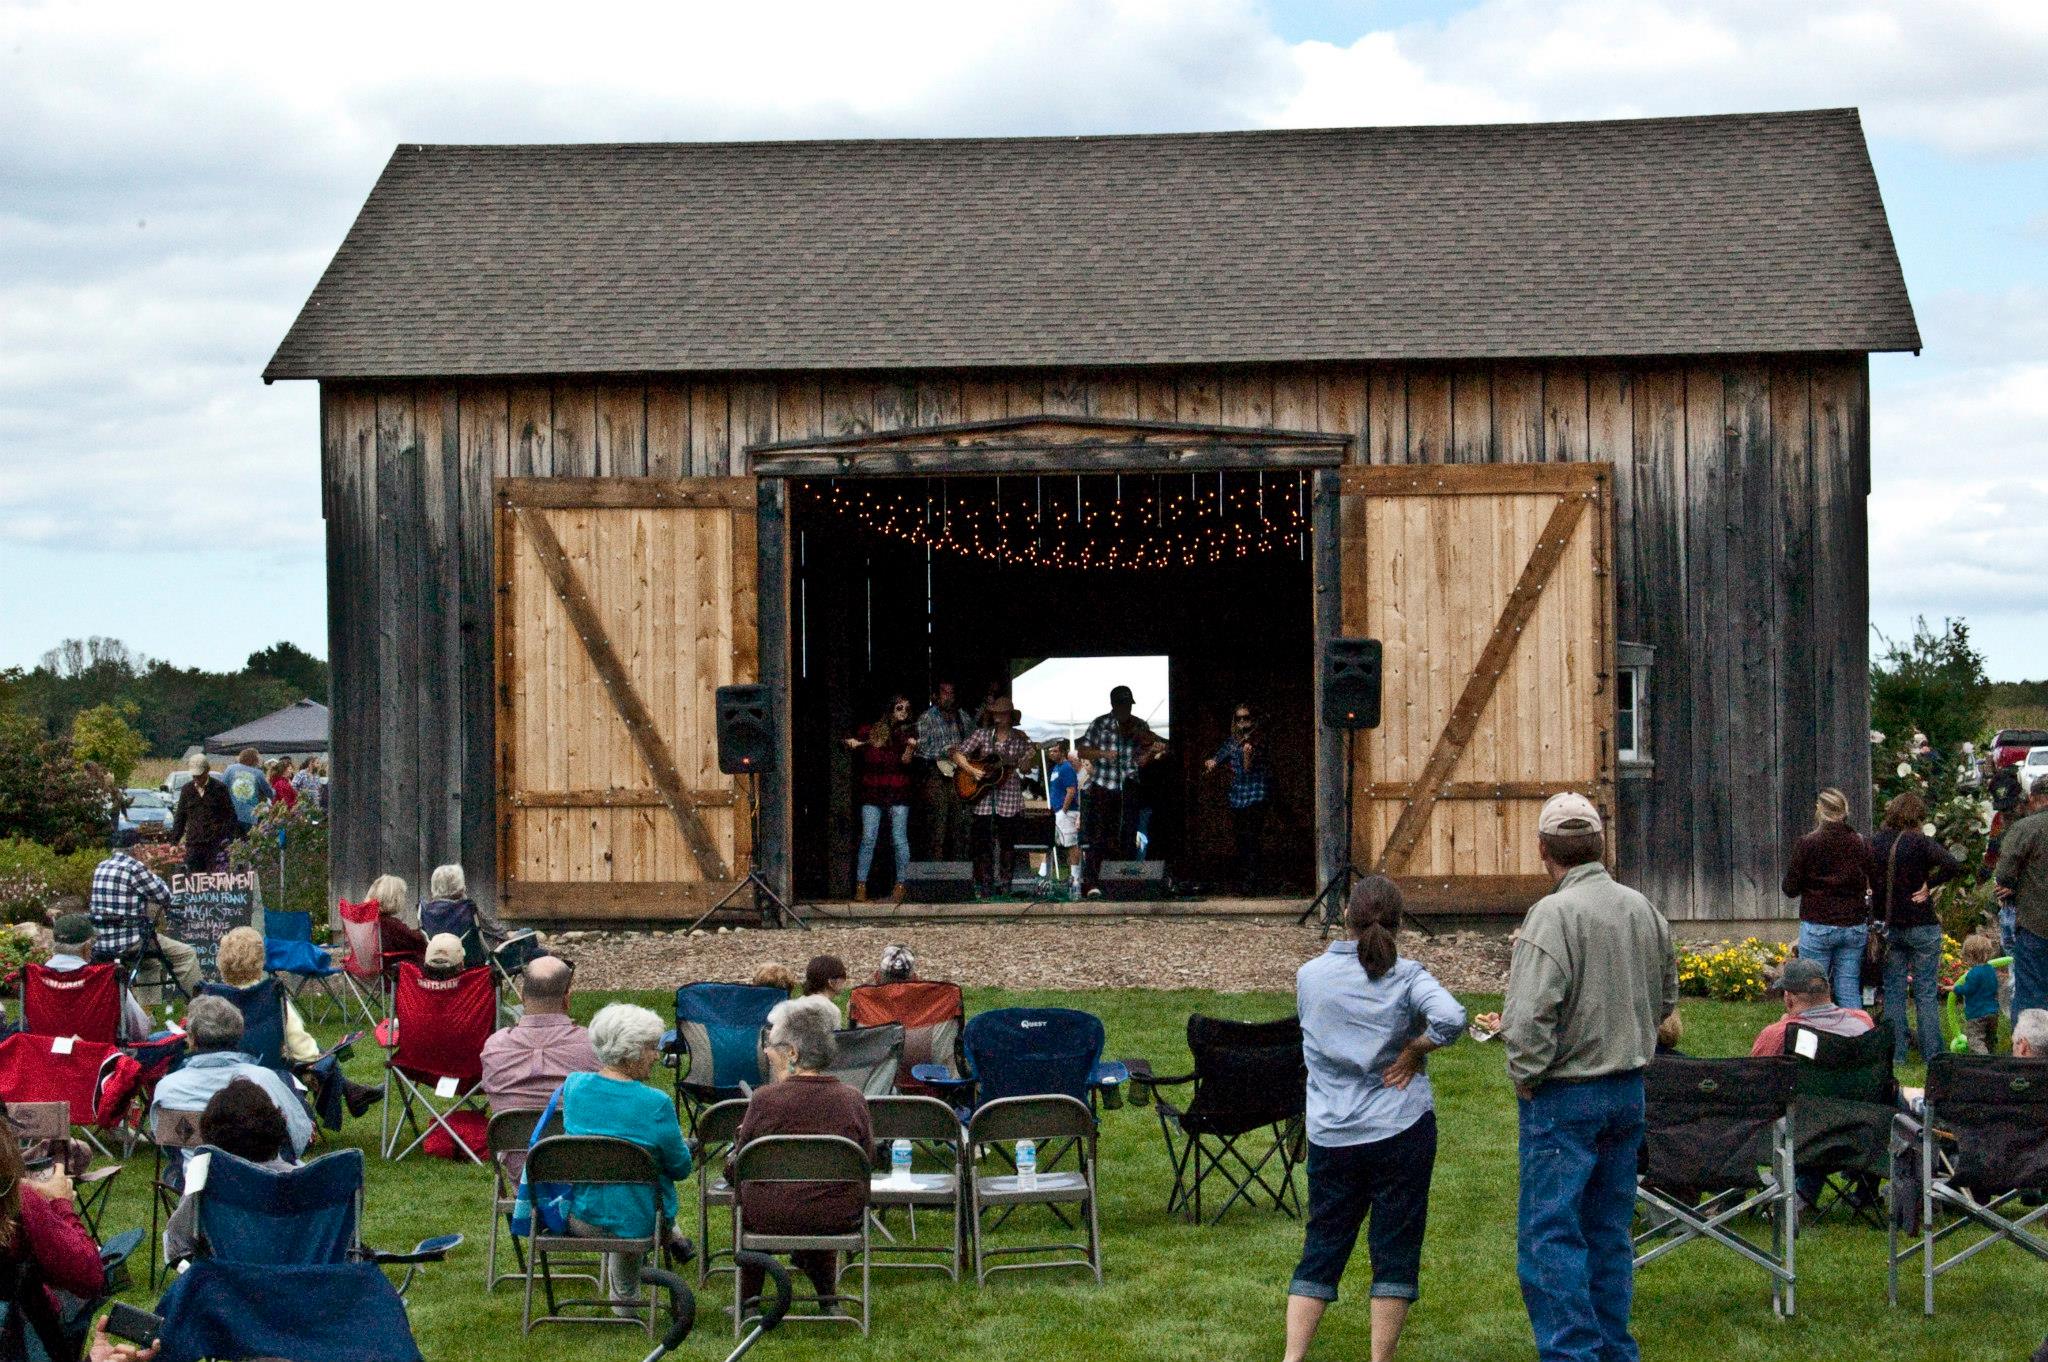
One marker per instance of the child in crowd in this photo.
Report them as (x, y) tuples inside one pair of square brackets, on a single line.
[(774, 974), (1978, 988), (1063, 794)]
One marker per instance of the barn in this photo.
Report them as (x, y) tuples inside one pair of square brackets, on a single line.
[(1573, 417)]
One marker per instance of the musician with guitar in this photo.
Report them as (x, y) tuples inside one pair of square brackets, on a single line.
[(1120, 745), (941, 731), (988, 766)]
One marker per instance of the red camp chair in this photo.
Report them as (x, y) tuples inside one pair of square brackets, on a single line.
[(442, 1025), (364, 968), (95, 1080), (931, 1015), (85, 1003)]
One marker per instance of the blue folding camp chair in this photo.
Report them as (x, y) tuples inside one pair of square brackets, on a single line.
[(716, 1045), (262, 1007), (309, 1216), (289, 952), (324, 1312), (1027, 1052)]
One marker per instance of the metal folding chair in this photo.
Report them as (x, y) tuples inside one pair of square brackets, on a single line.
[(1717, 1147), (717, 1125), (169, 1130), (1250, 1085), (438, 1061), (869, 1058), (933, 1129), (35, 1122), (998, 1125), (716, 1044), (590, 1161), (809, 1159), (506, 1140), (1978, 1145)]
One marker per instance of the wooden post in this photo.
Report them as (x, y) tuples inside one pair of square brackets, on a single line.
[(772, 534), (1326, 572)]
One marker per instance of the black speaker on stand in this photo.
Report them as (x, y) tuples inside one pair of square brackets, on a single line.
[(746, 747), (1351, 701)]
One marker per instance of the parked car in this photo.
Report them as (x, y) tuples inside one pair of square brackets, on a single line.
[(2035, 768), (176, 781), (146, 812), (2009, 746)]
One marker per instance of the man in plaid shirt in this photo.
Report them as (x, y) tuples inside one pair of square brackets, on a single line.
[(124, 892), (941, 730), (1120, 745), (995, 813), (1243, 755)]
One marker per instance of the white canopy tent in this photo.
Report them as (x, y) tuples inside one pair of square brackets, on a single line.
[(1061, 696)]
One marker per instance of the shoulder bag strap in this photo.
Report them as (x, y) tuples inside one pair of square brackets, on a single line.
[(1891, 864)]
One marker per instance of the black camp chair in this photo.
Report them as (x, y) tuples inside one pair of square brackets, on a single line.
[(1844, 1098), (1979, 1143), (1718, 1145), (1247, 1110)]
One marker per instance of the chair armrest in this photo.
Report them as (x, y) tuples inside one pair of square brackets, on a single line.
[(1141, 1072), (939, 1076), (426, 1251)]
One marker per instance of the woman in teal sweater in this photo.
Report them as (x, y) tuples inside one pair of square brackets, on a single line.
[(617, 1101)]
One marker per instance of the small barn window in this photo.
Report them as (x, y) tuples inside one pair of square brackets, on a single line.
[(1634, 662)]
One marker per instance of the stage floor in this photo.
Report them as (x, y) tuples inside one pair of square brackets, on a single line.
[(883, 910)]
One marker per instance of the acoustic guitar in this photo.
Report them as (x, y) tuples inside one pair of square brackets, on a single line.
[(973, 779)]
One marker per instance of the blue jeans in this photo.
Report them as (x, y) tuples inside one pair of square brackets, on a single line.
[(1839, 951), (2008, 925), (1579, 1143), (871, 827), (1914, 950), (2029, 971), (1388, 1178)]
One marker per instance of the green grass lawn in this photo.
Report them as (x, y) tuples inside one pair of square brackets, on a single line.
[(1172, 1289)]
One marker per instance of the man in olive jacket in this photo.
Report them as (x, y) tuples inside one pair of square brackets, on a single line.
[(1593, 973), (2023, 882)]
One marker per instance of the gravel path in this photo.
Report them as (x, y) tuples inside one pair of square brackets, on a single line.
[(1228, 957)]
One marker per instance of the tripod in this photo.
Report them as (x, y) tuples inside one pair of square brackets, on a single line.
[(765, 897), (1336, 891)]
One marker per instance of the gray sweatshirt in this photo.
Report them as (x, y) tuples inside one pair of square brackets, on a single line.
[(1593, 974)]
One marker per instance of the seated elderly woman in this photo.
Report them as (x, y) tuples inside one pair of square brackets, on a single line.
[(240, 960), (450, 909), (804, 1100), (617, 1101), (241, 1119), (398, 939)]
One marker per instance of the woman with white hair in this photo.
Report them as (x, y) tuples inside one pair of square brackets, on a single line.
[(450, 909), (803, 1100), (617, 1101), (398, 939)]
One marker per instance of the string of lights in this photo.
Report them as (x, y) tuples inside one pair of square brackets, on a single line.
[(1087, 523)]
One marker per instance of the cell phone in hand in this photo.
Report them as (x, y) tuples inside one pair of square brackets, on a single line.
[(131, 1325)]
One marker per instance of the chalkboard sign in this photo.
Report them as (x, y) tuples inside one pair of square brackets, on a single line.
[(206, 906)]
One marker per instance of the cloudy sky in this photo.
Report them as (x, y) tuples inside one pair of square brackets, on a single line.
[(176, 178)]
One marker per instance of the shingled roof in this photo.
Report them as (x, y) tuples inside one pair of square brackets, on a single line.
[(1754, 232)]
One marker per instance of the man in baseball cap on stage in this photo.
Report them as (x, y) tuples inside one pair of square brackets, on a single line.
[(1593, 974)]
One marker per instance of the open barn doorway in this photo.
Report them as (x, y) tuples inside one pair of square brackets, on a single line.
[(1200, 582)]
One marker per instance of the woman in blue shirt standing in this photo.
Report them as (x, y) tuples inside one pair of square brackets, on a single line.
[(617, 1101), (1368, 1017)]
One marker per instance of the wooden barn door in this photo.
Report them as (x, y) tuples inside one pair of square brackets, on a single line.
[(1489, 588), (623, 603)]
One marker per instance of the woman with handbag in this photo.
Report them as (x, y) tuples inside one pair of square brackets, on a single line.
[(1906, 865), (1830, 876)]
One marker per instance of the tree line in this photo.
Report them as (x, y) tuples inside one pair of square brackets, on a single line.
[(171, 707)]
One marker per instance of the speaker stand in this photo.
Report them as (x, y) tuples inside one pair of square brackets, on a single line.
[(1336, 891), (765, 897)]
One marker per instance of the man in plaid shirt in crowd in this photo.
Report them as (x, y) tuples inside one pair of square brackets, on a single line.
[(1243, 755), (1120, 745), (124, 892), (995, 813)]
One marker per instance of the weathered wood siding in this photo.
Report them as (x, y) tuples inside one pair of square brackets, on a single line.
[(1739, 550)]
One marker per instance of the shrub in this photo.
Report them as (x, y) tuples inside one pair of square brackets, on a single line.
[(63, 875), (102, 737), (16, 950), (46, 794), (24, 896), (305, 857), (1732, 971), (162, 857)]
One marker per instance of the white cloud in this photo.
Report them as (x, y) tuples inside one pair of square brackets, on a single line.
[(176, 180)]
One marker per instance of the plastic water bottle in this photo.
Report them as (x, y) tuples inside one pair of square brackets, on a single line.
[(1027, 1165), (899, 1161)]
